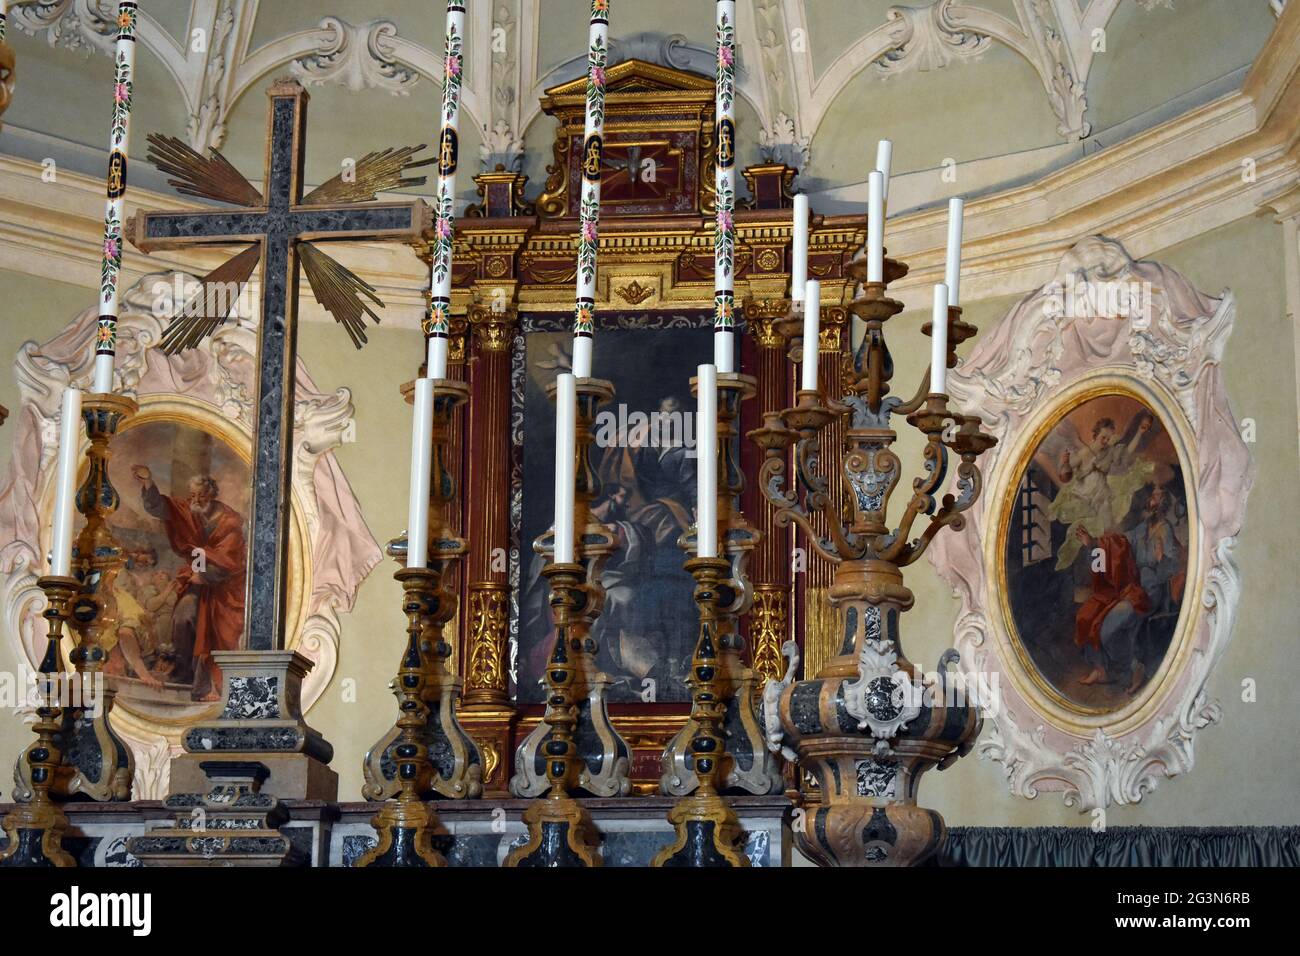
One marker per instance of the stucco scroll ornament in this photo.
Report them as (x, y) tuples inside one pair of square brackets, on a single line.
[(769, 712), (82, 25), (358, 57), (1104, 318), (211, 382), (928, 38)]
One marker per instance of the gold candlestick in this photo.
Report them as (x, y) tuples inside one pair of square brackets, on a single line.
[(408, 824), (707, 832), (603, 770), (427, 692), (760, 771), (560, 831), (36, 828), (102, 765)]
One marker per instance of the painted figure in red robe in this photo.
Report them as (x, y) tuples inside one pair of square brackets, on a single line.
[(209, 536), (1117, 599)]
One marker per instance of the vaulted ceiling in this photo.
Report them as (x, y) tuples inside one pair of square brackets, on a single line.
[(1006, 89)]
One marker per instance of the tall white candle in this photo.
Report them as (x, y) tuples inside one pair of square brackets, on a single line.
[(417, 519), (437, 324), (65, 482), (952, 271), (706, 463), (799, 252), (812, 323), (119, 142), (939, 340), (884, 159), (593, 145), (875, 227), (724, 181), (566, 463)]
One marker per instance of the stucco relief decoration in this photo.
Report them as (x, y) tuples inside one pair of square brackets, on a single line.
[(194, 423), (359, 57), (927, 38), (1097, 583)]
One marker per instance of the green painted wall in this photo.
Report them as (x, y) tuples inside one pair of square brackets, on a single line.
[(1241, 776)]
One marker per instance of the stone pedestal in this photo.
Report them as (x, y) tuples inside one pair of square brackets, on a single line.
[(261, 719), (233, 824)]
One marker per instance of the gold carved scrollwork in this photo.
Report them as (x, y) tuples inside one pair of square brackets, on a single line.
[(634, 293), (491, 759), (769, 629), (488, 602), (554, 200)]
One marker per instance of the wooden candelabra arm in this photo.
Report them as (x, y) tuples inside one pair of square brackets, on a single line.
[(788, 509), (922, 501), (970, 483), (917, 400)]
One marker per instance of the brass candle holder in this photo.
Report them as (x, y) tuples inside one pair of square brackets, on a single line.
[(867, 727), (102, 766), (707, 832), (427, 755), (754, 770), (35, 829), (560, 830), (605, 756)]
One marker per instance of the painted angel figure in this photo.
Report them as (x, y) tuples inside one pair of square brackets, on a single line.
[(1097, 482)]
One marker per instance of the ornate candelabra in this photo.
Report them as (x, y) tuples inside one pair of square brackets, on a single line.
[(35, 828), (575, 748), (427, 754), (868, 726), (96, 763)]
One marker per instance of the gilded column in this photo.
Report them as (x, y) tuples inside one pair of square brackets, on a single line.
[(764, 353), (486, 709), (818, 621)]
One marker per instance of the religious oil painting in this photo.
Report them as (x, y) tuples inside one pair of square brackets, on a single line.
[(182, 525), (1096, 552), (643, 451)]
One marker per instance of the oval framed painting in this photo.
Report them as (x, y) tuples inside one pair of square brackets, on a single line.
[(1097, 554), (183, 473)]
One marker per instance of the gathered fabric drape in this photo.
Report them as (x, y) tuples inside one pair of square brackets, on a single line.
[(1121, 846)]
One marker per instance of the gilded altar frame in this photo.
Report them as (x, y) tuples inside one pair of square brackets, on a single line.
[(517, 257)]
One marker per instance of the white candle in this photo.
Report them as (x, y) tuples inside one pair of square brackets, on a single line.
[(724, 350), (115, 210), (65, 482), (876, 227), (884, 158), (706, 463), (799, 253), (437, 325), (566, 462), (939, 340), (417, 521), (724, 182), (812, 323), (584, 310), (582, 356), (952, 272)]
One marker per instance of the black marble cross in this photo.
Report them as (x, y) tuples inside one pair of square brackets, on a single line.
[(280, 221)]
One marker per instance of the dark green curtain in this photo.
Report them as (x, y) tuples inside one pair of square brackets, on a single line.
[(1121, 846)]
